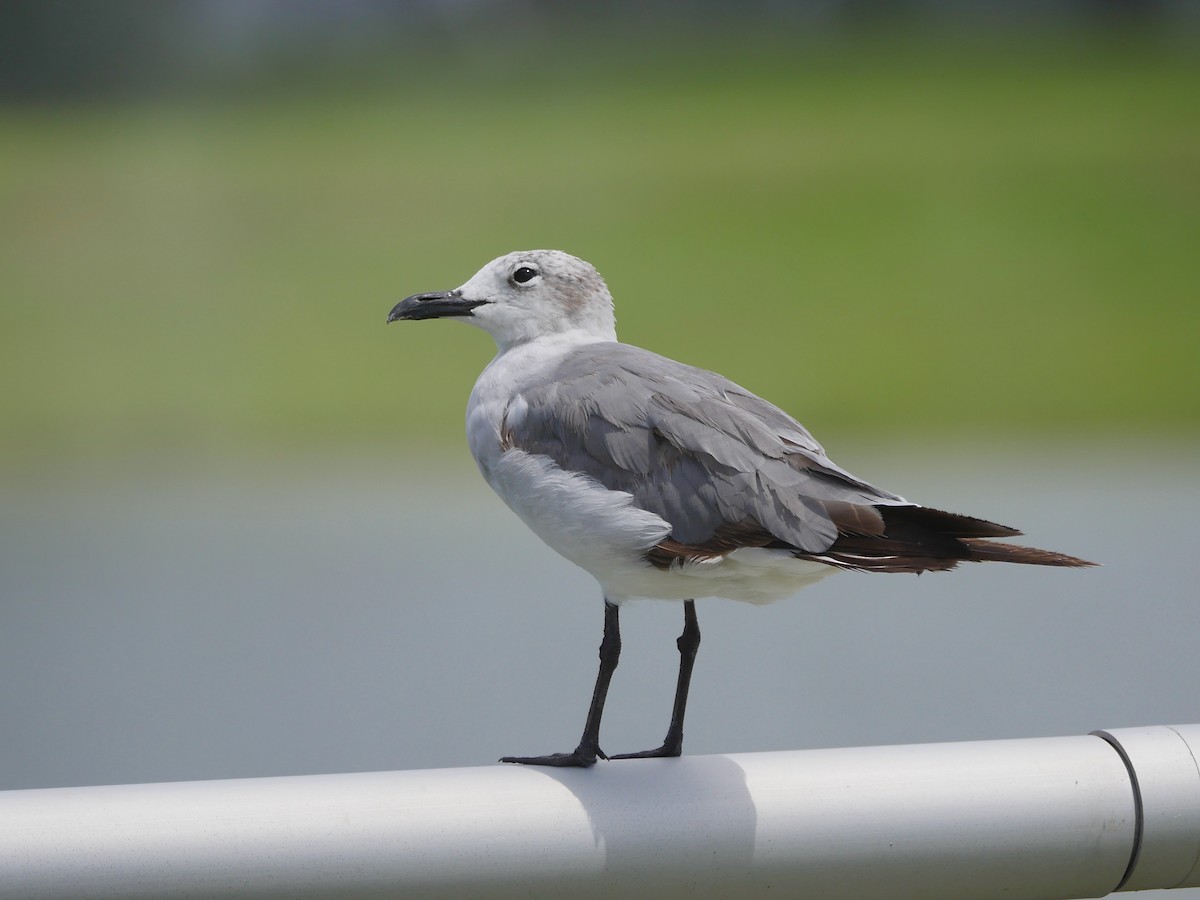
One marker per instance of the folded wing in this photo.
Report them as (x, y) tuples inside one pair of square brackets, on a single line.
[(727, 469)]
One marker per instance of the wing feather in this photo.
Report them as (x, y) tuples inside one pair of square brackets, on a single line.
[(690, 446)]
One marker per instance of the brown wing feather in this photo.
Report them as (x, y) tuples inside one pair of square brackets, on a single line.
[(726, 539)]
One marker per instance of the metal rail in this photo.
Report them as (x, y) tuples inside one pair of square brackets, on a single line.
[(1039, 818)]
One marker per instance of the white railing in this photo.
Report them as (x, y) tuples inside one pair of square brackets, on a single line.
[(1038, 818)]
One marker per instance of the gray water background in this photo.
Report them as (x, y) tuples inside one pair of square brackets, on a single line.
[(372, 613)]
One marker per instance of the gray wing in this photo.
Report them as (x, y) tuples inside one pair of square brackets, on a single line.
[(706, 455)]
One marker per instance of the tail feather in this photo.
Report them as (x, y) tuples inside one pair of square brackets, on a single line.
[(920, 539), (994, 551)]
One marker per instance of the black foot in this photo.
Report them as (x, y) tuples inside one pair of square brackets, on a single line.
[(666, 750), (581, 757)]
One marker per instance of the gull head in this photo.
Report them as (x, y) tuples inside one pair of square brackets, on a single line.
[(523, 296)]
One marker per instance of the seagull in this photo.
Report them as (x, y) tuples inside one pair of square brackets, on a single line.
[(664, 480)]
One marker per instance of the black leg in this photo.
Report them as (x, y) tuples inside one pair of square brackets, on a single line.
[(589, 745), (688, 643)]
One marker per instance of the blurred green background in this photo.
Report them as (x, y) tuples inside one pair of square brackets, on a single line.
[(900, 227)]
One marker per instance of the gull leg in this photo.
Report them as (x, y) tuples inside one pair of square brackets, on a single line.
[(589, 745), (688, 643)]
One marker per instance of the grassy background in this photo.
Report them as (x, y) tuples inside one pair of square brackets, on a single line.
[(902, 238)]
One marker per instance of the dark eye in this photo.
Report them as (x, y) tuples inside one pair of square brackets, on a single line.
[(524, 274)]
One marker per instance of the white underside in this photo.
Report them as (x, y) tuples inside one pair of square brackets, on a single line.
[(603, 532)]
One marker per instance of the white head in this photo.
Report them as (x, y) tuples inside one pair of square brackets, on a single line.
[(523, 296)]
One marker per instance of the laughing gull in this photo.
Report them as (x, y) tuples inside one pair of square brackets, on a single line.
[(664, 480)]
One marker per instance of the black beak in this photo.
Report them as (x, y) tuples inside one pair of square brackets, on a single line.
[(433, 306)]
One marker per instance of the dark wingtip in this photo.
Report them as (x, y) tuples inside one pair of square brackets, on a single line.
[(945, 523)]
